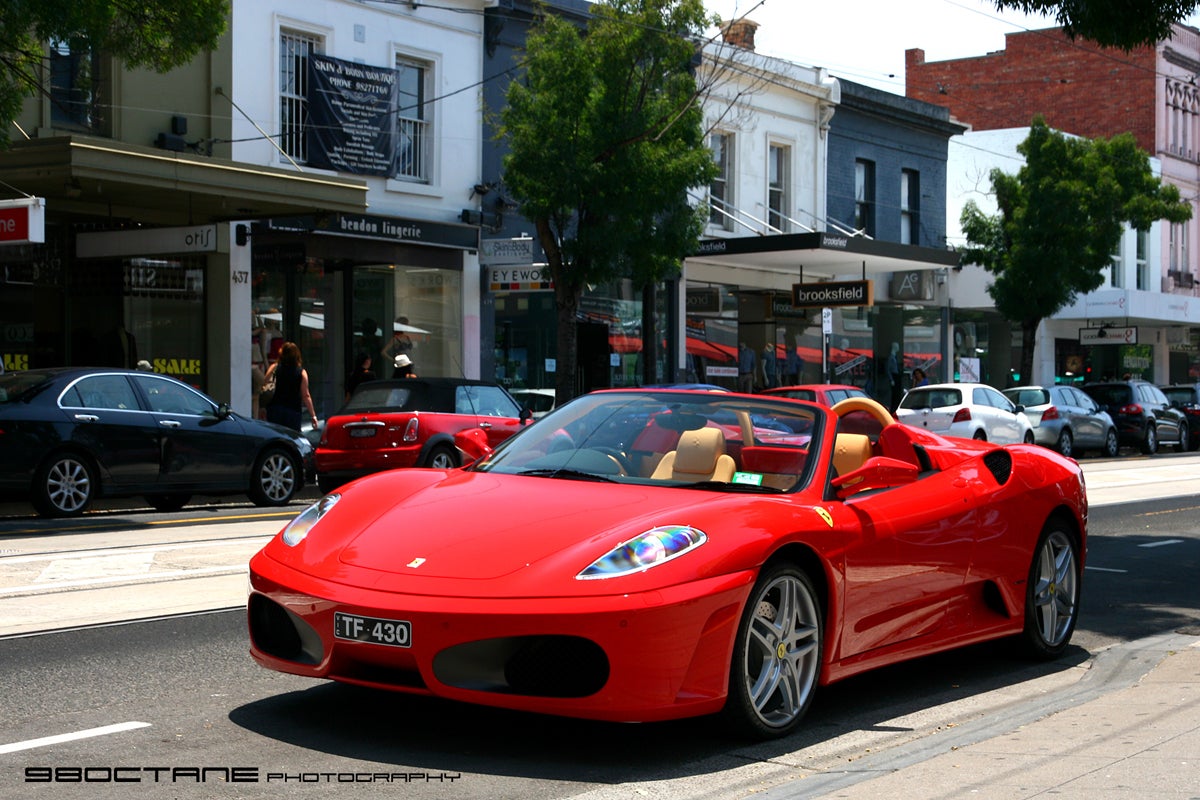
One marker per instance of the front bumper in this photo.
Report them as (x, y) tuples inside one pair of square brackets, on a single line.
[(638, 657)]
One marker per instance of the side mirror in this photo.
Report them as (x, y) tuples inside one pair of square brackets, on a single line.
[(223, 411), (879, 472), (526, 415)]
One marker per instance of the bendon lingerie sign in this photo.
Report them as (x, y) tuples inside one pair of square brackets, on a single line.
[(351, 116)]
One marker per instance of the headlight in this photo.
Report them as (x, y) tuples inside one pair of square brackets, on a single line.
[(656, 546), (298, 528)]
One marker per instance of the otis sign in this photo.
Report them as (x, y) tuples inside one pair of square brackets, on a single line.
[(23, 221)]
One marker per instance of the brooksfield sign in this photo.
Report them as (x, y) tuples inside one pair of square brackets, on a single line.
[(844, 293)]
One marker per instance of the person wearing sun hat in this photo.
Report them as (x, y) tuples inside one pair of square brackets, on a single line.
[(403, 367)]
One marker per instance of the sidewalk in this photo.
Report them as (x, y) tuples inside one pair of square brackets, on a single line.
[(1131, 743)]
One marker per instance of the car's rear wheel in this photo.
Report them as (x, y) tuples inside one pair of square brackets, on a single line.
[(1112, 444), (980, 436), (1150, 440), (167, 502), (1028, 437), (441, 457), (1184, 439), (777, 655), (275, 479), (1052, 592), (64, 486), (1065, 443)]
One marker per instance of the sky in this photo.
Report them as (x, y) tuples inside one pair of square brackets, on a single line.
[(864, 40)]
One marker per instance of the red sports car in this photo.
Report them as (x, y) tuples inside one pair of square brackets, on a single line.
[(645, 555)]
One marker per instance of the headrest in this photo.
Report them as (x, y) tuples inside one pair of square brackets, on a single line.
[(698, 450)]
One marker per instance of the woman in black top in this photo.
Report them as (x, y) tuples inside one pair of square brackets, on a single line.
[(291, 389)]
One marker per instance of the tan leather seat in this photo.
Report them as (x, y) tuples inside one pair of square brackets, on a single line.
[(850, 451), (699, 456)]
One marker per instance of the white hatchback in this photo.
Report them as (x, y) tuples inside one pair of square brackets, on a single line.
[(968, 410)]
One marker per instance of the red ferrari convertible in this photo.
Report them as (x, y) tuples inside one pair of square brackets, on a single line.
[(642, 555)]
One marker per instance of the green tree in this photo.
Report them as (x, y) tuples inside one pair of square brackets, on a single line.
[(1059, 220), (1119, 23), (158, 34), (606, 136)]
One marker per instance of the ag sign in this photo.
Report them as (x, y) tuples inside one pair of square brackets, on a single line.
[(1107, 335), (23, 221)]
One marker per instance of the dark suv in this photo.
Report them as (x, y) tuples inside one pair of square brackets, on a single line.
[(1186, 397), (411, 422), (1143, 415)]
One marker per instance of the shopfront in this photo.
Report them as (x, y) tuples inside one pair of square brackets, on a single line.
[(745, 328), (349, 286)]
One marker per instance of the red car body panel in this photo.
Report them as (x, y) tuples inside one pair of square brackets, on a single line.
[(472, 557)]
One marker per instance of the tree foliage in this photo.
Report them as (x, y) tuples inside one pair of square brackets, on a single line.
[(1059, 220), (158, 34), (1118, 23), (605, 137)]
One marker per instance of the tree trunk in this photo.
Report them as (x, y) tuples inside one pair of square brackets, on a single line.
[(649, 337), (1028, 341)]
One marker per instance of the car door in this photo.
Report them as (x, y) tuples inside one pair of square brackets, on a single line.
[(1003, 425), (115, 429), (495, 411), (1086, 421), (1165, 417), (909, 565), (199, 449)]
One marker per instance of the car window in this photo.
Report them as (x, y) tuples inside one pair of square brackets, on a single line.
[(1182, 395), (101, 392), (1110, 394), (378, 396), (990, 397), (14, 385), (1155, 395), (486, 401), (931, 398), (1083, 401), (1028, 397), (169, 397)]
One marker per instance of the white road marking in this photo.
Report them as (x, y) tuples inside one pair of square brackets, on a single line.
[(154, 577), (45, 741), (1163, 543), (1106, 569)]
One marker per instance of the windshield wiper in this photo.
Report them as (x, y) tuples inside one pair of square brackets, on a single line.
[(723, 486), (569, 474)]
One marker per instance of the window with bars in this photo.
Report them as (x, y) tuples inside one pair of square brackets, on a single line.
[(75, 83), (778, 176), (864, 196), (294, 50), (413, 129), (720, 201), (910, 200)]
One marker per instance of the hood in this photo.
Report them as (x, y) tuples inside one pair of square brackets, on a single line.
[(478, 526)]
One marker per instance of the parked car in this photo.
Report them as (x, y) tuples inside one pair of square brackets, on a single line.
[(1065, 418), (828, 395), (966, 410), (1144, 416), (71, 435), (1186, 398), (746, 566), (538, 401), (411, 422)]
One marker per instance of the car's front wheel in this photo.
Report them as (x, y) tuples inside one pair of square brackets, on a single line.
[(1052, 592), (275, 479), (777, 654), (64, 486)]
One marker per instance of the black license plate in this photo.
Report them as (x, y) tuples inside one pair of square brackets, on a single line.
[(393, 632), (361, 433)]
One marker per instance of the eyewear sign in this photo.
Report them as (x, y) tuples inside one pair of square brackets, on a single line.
[(844, 293), (23, 221)]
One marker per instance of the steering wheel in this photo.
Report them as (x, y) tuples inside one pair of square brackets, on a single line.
[(865, 404), (624, 465)]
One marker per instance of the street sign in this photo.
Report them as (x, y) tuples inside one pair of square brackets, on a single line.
[(499, 252), (23, 221), (827, 321)]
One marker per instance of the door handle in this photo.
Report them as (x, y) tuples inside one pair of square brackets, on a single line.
[(169, 423), (87, 418)]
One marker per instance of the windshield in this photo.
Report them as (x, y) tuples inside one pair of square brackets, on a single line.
[(709, 440)]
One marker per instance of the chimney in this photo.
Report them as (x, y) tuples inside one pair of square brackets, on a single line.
[(739, 33)]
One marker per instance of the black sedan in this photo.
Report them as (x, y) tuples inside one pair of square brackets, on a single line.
[(71, 435)]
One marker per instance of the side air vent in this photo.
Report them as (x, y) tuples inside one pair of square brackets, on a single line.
[(999, 463)]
